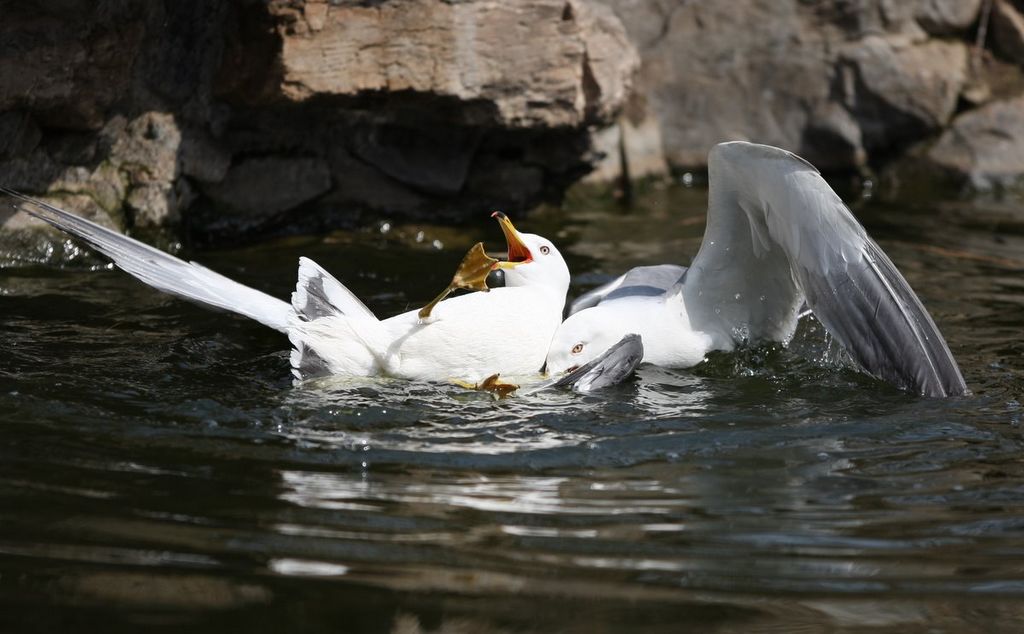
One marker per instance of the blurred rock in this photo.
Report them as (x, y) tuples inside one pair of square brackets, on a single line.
[(1008, 29), (945, 17), (984, 148), (898, 90), (83, 205), (509, 184), (434, 160), (256, 190), (642, 148), (152, 205), (201, 157), (630, 149), (72, 148), (19, 134), (146, 147), (359, 185), (750, 69), (840, 83), (609, 164)]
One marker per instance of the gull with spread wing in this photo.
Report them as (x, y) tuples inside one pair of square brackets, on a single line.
[(777, 238)]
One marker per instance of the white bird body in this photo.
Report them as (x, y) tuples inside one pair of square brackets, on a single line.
[(467, 338), (777, 237), (661, 321)]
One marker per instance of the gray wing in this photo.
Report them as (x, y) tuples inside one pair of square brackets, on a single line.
[(163, 271), (777, 234), (638, 281)]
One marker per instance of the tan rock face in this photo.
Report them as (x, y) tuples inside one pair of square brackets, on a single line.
[(946, 16), (536, 62), (424, 108)]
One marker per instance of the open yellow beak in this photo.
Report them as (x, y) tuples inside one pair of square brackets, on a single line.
[(518, 252)]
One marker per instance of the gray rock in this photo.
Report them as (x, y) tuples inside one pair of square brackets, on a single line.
[(898, 90), (835, 138), (714, 71), (945, 17), (360, 185), (73, 148), (608, 161), (434, 160), (632, 148), (642, 148), (507, 184), (984, 147), (202, 158), (421, 97), (32, 172), (38, 174), (258, 189), (83, 205), (438, 108), (1008, 29), (152, 205), (832, 81), (19, 134), (145, 147)]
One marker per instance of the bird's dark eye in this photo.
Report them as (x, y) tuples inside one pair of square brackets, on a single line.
[(578, 348), (545, 249)]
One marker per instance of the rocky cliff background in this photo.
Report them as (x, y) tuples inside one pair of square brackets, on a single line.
[(228, 119)]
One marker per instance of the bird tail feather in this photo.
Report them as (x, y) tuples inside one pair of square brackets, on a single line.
[(160, 270), (332, 331)]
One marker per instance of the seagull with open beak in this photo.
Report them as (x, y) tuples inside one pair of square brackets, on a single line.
[(506, 330), (467, 338)]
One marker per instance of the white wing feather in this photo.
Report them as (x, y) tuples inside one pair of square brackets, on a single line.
[(161, 270), (777, 234), (640, 281)]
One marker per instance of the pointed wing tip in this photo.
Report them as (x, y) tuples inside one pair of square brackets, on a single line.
[(952, 387), (733, 152)]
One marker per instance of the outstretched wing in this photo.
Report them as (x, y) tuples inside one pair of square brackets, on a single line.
[(639, 281), (163, 271), (777, 234)]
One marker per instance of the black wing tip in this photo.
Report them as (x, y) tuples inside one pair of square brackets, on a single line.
[(947, 387)]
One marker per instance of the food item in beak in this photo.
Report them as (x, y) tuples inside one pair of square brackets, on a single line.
[(471, 275), (475, 267)]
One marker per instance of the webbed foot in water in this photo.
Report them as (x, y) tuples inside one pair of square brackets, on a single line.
[(492, 384)]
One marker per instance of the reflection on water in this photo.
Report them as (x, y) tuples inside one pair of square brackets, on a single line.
[(158, 470)]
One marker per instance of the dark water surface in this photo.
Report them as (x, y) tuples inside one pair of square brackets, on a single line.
[(159, 472)]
